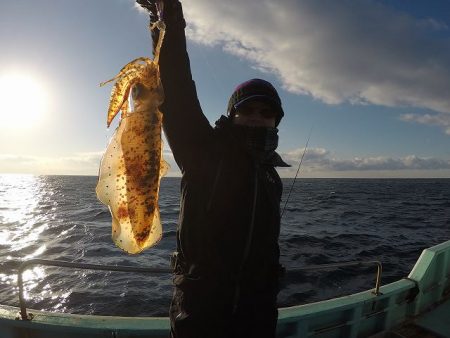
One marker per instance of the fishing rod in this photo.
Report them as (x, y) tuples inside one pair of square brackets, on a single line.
[(298, 170)]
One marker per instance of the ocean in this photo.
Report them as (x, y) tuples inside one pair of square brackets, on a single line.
[(326, 221)]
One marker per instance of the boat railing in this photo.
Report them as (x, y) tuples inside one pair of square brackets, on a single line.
[(122, 268), (376, 290), (75, 265)]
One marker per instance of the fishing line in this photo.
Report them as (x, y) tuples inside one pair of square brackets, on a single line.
[(298, 170)]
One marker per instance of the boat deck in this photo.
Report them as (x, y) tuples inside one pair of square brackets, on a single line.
[(434, 323)]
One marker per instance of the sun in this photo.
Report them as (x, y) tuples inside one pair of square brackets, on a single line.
[(23, 101)]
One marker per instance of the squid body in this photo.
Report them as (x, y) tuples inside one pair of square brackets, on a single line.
[(132, 166)]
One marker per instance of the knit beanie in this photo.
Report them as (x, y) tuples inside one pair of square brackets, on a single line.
[(257, 90)]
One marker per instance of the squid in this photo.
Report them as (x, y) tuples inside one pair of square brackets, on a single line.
[(132, 165)]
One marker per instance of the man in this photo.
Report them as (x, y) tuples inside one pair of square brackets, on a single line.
[(226, 268)]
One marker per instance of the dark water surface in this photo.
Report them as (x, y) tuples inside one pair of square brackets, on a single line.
[(326, 221)]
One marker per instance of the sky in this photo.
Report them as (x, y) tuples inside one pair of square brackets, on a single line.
[(368, 80)]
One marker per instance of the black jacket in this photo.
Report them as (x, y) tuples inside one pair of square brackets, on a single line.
[(229, 220)]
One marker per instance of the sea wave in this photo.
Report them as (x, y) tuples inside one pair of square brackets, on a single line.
[(325, 221)]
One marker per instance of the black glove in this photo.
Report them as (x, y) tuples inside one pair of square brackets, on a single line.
[(172, 15), (172, 11)]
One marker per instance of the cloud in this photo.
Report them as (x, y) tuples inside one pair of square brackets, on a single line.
[(311, 154), (433, 24), (77, 164), (86, 163), (316, 163), (335, 51), (440, 120), (320, 160), (411, 162)]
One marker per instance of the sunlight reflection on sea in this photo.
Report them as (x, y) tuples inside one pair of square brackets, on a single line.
[(59, 218)]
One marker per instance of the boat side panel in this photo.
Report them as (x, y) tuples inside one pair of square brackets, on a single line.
[(56, 325), (358, 315), (432, 274)]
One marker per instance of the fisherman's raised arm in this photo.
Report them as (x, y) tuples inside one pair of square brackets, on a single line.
[(186, 127)]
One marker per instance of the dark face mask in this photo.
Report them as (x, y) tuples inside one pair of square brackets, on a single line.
[(260, 142)]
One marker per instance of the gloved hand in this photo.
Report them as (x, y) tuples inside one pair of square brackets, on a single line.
[(171, 11)]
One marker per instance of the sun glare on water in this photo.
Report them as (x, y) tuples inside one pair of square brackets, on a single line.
[(23, 101)]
